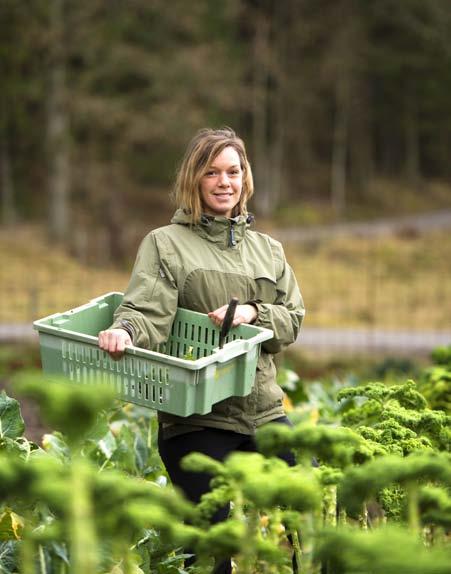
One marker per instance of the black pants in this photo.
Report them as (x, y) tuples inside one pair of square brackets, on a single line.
[(217, 444)]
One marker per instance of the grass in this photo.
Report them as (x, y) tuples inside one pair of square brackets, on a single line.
[(39, 279), (394, 282)]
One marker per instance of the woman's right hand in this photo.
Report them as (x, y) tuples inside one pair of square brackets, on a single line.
[(114, 342)]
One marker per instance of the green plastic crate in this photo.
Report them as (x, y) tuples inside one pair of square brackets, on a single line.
[(162, 379)]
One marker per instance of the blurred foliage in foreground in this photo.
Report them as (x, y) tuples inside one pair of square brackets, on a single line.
[(95, 497)]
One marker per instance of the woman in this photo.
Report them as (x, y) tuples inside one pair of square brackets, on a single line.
[(206, 256)]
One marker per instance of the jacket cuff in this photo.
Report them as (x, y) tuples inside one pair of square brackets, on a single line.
[(264, 317)]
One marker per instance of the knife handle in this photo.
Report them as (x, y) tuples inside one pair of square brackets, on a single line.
[(228, 320)]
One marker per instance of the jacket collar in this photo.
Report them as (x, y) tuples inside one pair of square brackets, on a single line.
[(220, 230)]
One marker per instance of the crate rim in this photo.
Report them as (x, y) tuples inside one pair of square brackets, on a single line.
[(228, 352)]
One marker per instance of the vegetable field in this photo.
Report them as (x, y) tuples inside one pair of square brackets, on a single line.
[(371, 492)]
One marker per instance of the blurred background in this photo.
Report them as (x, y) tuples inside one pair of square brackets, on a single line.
[(345, 109)]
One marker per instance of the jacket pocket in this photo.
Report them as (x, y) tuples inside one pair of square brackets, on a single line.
[(270, 395), (264, 362)]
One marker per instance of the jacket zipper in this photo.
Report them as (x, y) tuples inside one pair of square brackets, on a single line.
[(232, 240)]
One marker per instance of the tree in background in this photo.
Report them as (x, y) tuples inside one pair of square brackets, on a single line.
[(23, 50), (410, 63), (144, 76), (329, 97), (57, 126)]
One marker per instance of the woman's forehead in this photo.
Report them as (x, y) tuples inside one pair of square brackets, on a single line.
[(228, 155)]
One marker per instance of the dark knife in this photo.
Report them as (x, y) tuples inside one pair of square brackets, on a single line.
[(228, 320)]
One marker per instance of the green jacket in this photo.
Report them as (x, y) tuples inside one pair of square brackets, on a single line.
[(200, 268)]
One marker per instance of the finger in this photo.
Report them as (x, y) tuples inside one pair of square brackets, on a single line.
[(218, 313), (102, 340), (116, 346), (105, 340), (112, 342), (122, 341), (217, 316)]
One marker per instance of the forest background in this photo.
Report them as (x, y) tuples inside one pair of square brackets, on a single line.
[(344, 107)]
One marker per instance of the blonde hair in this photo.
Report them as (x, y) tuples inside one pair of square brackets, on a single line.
[(205, 146)]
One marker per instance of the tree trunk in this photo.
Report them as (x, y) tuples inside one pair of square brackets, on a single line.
[(9, 215), (114, 222), (339, 149), (263, 202), (277, 180), (360, 141), (412, 144), (59, 176)]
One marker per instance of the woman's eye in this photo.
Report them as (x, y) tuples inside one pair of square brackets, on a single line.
[(210, 173)]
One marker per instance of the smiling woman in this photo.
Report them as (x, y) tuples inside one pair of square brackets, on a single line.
[(222, 183), (215, 162), (206, 256)]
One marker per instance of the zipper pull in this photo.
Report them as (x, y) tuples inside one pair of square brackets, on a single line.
[(232, 240)]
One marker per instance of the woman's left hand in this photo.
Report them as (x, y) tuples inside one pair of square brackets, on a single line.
[(243, 314)]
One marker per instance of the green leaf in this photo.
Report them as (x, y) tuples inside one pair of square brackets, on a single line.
[(16, 447), (11, 421), (8, 557), (60, 550), (141, 453), (11, 525), (55, 445), (124, 455), (108, 445)]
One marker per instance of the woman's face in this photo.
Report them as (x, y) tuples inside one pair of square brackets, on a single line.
[(222, 183)]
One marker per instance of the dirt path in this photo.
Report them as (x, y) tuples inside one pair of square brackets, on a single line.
[(320, 339), (371, 340)]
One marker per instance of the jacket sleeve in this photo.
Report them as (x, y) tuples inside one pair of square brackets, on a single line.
[(285, 315), (150, 301)]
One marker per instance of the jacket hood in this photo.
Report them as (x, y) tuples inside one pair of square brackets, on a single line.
[(224, 231)]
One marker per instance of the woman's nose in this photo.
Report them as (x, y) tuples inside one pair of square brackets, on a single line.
[(224, 180)]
